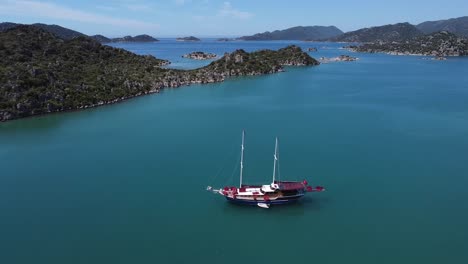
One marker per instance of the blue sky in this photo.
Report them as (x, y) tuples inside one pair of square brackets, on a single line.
[(221, 18)]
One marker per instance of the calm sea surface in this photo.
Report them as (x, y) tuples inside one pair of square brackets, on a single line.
[(386, 135)]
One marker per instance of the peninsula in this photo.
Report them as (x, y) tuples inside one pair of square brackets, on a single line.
[(41, 73)]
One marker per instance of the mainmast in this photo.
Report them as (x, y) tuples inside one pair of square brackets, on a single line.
[(242, 159), (275, 159)]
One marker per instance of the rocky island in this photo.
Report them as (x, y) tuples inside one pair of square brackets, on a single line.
[(337, 59), (225, 39), (139, 38), (438, 44), (312, 49), (41, 73), (199, 55), (191, 38)]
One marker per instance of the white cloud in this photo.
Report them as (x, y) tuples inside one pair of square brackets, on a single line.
[(228, 11), (29, 8)]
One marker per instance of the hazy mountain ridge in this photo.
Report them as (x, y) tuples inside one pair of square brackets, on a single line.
[(386, 33), (59, 31), (67, 34), (458, 26), (297, 33), (392, 32)]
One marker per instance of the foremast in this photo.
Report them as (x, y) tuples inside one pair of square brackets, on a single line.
[(242, 159), (275, 160)]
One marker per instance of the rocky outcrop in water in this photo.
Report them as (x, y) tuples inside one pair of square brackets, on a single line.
[(40, 73), (437, 44), (199, 55), (191, 38)]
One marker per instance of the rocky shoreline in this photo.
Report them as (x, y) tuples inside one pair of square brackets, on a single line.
[(439, 44), (57, 75)]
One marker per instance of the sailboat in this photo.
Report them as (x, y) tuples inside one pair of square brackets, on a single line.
[(275, 193)]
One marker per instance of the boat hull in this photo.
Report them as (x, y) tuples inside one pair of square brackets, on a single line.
[(269, 202)]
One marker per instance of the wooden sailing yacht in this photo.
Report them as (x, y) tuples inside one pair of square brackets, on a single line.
[(278, 192)]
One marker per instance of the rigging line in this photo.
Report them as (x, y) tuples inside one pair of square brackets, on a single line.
[(279, 171), (223, 165), (233, 172), (278, 161)]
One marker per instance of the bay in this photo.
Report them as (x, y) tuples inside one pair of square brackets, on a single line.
[(386, 135)]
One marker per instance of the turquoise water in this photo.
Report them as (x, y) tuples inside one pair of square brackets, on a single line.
[(386, 135)]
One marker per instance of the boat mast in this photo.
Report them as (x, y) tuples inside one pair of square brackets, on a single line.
[(275, 159), (242, 159)]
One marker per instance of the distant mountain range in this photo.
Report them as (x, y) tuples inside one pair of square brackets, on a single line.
[(297, 33), (385, 33), (67, 34), (405, 31), (457, 26), (395, 32), (61, 32)]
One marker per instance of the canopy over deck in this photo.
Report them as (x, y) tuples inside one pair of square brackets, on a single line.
[(289, 186)]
